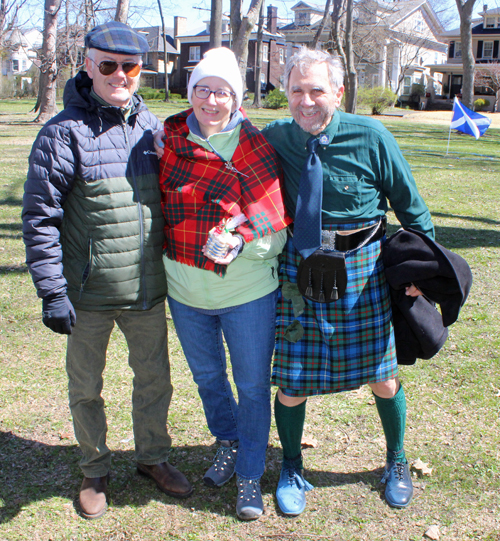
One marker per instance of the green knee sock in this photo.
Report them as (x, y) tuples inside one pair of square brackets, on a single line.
[(392, 413), (290, 425)]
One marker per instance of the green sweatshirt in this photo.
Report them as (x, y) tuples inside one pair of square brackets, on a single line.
[(252, 275), (363, 169)]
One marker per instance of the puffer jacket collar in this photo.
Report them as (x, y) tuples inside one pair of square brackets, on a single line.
[(77, 93)]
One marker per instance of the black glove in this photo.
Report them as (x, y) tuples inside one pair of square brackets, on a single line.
[(58, 313)]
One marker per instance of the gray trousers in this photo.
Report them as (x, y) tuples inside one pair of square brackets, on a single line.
[(146, 335)]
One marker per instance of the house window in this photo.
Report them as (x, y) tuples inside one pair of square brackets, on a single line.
[(265, 52), (458, 49), (194, 54), (488, 49), (490, 22), (419, 25), (361, 78), (25, 64), (407, 86), (282, 56), (15, 65), (302, 19), (436, 58), (375, 79)]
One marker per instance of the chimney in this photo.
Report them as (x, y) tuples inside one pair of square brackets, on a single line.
[(180, 24), (272, 19)]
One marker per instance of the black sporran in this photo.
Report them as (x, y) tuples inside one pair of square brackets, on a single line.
[(322, 277)]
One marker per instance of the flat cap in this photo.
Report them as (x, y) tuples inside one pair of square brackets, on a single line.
[(116, 37)]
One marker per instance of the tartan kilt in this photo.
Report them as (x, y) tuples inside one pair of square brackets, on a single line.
[(346, 343)]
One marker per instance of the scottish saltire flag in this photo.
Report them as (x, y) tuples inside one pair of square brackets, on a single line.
[(468, 121)]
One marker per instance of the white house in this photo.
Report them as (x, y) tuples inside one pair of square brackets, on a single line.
[(394, 42), (21, 48)]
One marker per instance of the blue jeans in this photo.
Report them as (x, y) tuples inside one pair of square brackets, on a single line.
[(249, 332)]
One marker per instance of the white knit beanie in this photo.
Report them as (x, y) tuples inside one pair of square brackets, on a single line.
[(219, 62)]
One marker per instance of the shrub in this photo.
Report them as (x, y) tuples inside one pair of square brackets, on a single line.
[(377, 98), (276, 99), (148, 93), (417, 89), (481, 104)]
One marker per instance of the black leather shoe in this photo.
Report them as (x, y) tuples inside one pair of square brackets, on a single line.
[(167, 478), (398, 485), (92, 498)]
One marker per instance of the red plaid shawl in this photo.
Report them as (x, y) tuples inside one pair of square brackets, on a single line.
[(198, 191)]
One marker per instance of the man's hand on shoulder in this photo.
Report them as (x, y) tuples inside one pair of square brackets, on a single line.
[(58, 313), (159, 143)]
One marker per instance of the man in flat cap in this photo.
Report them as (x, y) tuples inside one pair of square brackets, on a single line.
[(93, 230)]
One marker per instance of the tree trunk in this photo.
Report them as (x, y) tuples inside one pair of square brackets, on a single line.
[(71, 50), (121, 14), (336, 30), (89, 16), (242, 28), (165, 55), (258, 65), (216, 24), (317, 37), (48, 68), (350, 69), (465, 11)]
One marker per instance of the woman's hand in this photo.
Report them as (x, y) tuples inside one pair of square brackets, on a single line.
[(413, 291), (159, 144), (236, 244)]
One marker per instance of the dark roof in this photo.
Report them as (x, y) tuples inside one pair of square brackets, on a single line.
[(479, 30), (155, 39)]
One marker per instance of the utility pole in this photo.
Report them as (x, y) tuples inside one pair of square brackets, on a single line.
[(216, 24), (165, 54), (258, 64)]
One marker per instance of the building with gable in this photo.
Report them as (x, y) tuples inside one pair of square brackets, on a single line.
[(395, 43), (193, 46), (485, 46)]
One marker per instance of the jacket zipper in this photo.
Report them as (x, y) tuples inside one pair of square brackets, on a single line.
[(141, 222), (87, 268)]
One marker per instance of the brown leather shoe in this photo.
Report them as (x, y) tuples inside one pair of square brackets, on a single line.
[(93, 496), (167, 478)]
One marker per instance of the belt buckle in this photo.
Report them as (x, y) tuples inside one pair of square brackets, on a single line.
[(328, 239)]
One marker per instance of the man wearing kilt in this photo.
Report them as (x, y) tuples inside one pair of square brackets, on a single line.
[(337, 340)]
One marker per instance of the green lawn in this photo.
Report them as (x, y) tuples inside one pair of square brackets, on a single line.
[(453, 399)]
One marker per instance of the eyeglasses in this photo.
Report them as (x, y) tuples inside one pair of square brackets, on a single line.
[(107, 67), (221, 96)]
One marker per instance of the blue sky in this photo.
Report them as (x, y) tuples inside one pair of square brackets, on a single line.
[(197, 11), (145, 12)]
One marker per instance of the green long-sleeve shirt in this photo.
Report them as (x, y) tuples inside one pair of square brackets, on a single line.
[(363, 169)]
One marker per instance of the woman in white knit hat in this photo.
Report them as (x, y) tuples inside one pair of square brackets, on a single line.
[(217, 171)]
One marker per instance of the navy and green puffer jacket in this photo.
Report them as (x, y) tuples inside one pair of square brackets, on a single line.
[(92, 220)]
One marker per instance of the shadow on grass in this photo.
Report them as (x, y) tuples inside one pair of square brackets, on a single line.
[(11, 202), (32, 472), (19, 269), (461, 237)]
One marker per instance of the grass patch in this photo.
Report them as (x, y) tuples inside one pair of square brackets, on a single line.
[(453, 399)]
